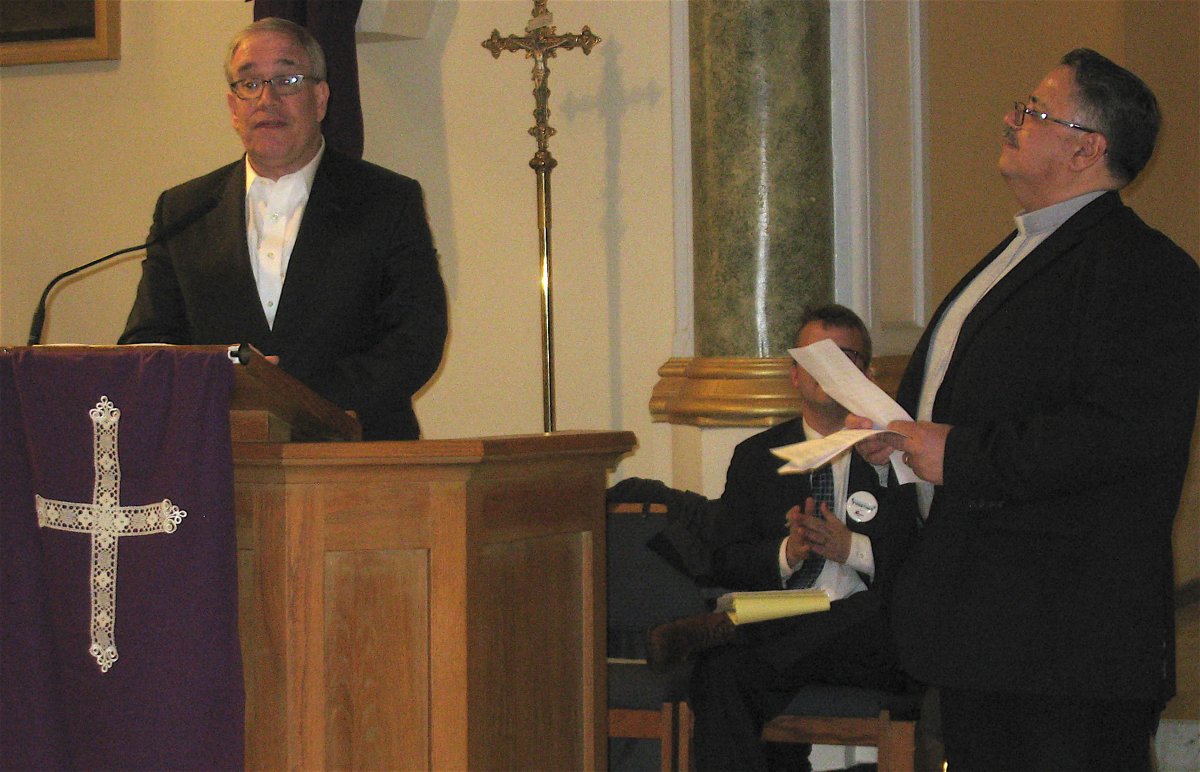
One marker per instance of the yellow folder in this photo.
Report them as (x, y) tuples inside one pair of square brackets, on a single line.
[(746, 607)]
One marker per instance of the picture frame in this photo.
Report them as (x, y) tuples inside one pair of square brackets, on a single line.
[(49, 31)]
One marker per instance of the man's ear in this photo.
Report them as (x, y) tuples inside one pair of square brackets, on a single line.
[(322, 93), (1092, 148)]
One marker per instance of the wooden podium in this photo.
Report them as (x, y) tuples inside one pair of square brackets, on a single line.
[(424, 605)]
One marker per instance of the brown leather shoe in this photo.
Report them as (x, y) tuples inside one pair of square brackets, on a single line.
[(671, 644)]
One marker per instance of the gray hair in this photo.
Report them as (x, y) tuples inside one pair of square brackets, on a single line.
[(1120, 106), (303, 38)]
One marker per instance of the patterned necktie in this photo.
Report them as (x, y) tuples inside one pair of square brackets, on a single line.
[(822, 493)]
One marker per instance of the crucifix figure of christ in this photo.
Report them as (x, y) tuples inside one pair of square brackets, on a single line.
[(107, 521), (541, 42)]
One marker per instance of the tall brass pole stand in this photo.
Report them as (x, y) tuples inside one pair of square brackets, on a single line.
[(539, 43)]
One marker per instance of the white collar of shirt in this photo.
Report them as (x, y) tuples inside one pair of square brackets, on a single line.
[(307, 173), (1049, 218)]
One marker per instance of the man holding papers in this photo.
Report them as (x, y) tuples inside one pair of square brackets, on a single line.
[(772, 535), (1055, 391)]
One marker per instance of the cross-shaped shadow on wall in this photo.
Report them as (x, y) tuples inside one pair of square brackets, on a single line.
[(612, 103)]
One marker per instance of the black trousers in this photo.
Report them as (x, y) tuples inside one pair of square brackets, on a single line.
[(735, 690), (988, 731)]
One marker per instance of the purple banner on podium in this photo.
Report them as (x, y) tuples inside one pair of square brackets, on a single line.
[(118, 571)]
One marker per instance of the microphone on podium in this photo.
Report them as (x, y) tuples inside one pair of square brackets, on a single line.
[(39, 313)]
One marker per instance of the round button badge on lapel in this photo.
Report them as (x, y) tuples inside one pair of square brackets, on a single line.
[(861, 506)]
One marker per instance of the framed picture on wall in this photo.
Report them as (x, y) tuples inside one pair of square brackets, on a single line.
[(44, 31)]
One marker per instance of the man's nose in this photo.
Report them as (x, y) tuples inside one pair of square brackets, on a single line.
[(268, 88)]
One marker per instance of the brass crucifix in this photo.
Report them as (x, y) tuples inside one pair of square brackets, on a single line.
[(541, 42)]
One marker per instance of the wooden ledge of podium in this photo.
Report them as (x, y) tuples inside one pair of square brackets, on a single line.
[(267, 404), (437, 604)]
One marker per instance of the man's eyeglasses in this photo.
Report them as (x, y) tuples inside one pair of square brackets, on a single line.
[(856, 357), (284, 85), (1020, 110)]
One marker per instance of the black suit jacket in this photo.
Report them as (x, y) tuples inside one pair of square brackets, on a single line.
[(1045, 566), (362, 316), (751, 526)]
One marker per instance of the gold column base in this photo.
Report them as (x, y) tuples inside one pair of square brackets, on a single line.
[(725, 391), (740, 391)]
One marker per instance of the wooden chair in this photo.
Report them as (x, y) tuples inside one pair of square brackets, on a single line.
[(849, 715), (671, 726), (643, 590)]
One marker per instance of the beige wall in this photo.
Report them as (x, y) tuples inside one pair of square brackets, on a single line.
[(1162, 44)]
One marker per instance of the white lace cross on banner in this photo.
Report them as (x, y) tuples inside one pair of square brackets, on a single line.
[(107, 521)]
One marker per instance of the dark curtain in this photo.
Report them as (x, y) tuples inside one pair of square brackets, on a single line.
[(332, 23)]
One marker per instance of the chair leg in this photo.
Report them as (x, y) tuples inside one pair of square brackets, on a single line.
[(684, 736), (897, 744), (668, 738)]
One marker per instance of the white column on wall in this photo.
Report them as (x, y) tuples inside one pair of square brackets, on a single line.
[(851, 158), (894, 282), (681, 154), (879, 168)]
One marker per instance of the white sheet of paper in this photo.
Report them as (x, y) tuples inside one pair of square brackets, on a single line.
[(841, 380), (806, 456)]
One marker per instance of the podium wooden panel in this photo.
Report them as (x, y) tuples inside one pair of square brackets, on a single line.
[(425, 605)]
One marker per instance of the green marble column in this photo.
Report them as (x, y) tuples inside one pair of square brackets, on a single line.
[(762, 171)]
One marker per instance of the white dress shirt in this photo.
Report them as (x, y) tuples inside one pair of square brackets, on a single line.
[(838, 580), (274, 209)]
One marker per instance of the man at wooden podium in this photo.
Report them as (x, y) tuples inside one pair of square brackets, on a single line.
[(361, 316)]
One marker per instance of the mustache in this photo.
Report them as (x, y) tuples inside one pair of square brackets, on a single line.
[(1010, 136)]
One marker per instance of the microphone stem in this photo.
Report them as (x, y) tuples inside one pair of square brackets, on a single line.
[(39, 315)]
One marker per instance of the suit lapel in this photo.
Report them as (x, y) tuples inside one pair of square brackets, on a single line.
[(861, 476), (314, 242), (228, 246), (1065, 238), (1058, 243), (909, 392)]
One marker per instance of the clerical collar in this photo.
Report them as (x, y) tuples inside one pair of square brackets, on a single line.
[(1049, 218)]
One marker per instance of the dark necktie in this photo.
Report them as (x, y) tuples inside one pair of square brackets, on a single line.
[(822, 493)]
